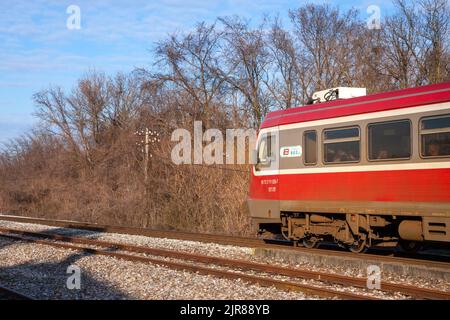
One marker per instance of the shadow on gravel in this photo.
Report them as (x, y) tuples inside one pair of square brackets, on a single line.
[(49, 281), (4, 242), (73, 232)]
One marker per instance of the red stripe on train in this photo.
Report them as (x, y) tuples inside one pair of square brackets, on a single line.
[(427, 185)]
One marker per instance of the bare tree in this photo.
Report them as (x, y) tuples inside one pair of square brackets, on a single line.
[(326, 38), (403, 46), (370, 59), (436, 34), (417, 39), (191, 63), (53, 111), (126, 96), (290, 80), (248, 62)]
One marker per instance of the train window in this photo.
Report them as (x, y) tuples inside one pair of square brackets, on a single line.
[(435, 136), (341, 145), (341, 133), (265, 152), (390, 140), (310, 147)]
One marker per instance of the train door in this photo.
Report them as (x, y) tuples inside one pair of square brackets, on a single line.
[(264, 186)]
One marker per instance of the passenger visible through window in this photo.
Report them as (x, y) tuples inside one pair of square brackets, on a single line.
[(435, 136), (342, 145), (390, 140)]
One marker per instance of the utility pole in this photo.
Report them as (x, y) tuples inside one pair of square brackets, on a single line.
[(146, 156), (147, 137)]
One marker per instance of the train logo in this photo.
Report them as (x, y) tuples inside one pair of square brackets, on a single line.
[(291, 151)]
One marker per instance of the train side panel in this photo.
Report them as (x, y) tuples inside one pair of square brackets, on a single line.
[(414, 188)]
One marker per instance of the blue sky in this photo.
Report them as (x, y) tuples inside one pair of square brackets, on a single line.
[(38, 50)]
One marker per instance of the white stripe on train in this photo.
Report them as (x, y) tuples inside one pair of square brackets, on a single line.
[(360, 117), (359, 168)]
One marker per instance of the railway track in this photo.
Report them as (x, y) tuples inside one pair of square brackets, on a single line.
[(110, 251), (437, 262), (180, 235), (122, 251)]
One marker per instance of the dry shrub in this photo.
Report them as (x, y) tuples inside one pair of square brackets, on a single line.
[(185, 197)]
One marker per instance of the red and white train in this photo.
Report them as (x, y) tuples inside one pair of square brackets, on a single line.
[(366, 171)]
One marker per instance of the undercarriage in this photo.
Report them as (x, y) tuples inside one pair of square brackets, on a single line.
[(357, 232)]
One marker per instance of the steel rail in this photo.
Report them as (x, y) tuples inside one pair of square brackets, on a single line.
[(263, 281), (181, 235), (220, 239), (417, 292)]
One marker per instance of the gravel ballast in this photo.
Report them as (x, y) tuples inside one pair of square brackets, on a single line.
[(41, 272), (109, 278)]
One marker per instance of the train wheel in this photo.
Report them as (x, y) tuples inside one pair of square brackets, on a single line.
[(311, 242), (359, 246), (410, 246)]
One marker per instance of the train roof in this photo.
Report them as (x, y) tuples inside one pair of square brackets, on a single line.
[(404, 98)]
